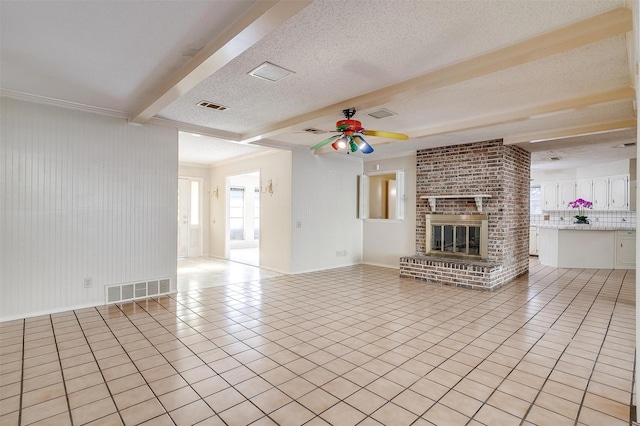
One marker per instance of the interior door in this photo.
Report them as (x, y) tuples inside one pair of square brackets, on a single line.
[(183, 217), (189, 217)]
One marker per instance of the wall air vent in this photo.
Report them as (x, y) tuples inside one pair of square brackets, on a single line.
[(211, 105), (139, 290), (381, 113)]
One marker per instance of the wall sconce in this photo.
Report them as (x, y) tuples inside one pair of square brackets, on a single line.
[(214, 193), (268, 188)]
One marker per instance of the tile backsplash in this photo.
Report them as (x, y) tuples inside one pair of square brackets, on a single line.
[(596, 217)]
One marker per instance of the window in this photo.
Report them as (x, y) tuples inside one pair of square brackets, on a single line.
[(236, 213), (256, 214), (535, 200)]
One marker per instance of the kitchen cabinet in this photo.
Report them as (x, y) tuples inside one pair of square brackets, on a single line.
[(625, 249), (600, 193), (550, 196), (584, 189), (533, 240), (619, 192), (606, 193), (566, 193)]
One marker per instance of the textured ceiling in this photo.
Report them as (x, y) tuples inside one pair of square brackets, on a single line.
[(446, 68)]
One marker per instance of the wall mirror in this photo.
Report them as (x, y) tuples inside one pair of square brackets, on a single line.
[(381, 195)]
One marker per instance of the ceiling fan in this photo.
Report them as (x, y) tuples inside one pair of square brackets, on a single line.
[(351, 135)]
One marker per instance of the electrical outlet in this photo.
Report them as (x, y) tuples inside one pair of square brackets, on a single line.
[(88, 283)]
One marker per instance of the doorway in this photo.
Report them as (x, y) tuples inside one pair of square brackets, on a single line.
[(243, 217), (190, 217)]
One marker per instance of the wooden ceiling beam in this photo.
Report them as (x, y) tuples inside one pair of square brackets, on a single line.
[(529, 113), (569, 132), (591, 30), (259, 21)]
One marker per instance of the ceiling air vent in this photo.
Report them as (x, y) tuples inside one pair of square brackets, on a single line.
[(212, 105), (268, 71), (554, 158), (381, 113), (313, 130), (628, 144)]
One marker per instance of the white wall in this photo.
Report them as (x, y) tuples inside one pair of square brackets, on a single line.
[(324, 222), (275, 210), (385, 241), (82, 196), (203, 172)]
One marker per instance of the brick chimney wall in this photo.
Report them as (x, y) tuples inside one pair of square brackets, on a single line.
[(488, 167)]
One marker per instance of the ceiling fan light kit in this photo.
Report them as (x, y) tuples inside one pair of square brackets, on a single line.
[(351, 135)]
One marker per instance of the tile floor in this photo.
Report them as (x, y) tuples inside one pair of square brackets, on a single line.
[(354, 345), (197, 273)]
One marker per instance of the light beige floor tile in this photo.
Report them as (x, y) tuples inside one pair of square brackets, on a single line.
[(292, 414), (93, 411), (442, 415), (271, 400), (365, 401), (318, 400), (192, 413), (142, 412), (343, 414)]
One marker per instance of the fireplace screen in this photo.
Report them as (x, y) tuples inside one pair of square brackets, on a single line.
[(457, 235)]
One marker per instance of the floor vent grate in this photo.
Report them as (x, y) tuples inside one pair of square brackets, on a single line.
[(138, 290)]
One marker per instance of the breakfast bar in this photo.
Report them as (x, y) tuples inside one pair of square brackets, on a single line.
[(587, 246)]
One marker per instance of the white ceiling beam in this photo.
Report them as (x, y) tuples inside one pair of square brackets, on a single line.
[(591, 30), (569, 132), (259, 21), (618, 95)]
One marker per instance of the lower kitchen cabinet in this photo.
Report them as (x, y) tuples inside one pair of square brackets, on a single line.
[(625, 249)]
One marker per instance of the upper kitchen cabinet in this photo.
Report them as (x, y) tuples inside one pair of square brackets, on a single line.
[(606, 193), (584, 189), (566, 193), (600, 193), (550, 196), (557, 195), (619, 192)]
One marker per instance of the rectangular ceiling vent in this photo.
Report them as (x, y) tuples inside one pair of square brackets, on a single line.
[(381, 113), (270, 72), (628, 144), (554, 158), (314, 131), (211, 105)]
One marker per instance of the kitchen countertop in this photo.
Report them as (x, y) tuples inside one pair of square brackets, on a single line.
[(571, 226)]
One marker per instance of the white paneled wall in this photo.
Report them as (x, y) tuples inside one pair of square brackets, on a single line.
[(325, 230), (82, 196)]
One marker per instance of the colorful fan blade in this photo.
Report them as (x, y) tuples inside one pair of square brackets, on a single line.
[(365, 148), (353, 146), (324, 142), (381, 134)]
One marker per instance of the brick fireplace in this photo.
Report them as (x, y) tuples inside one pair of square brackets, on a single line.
[(449, 181)]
